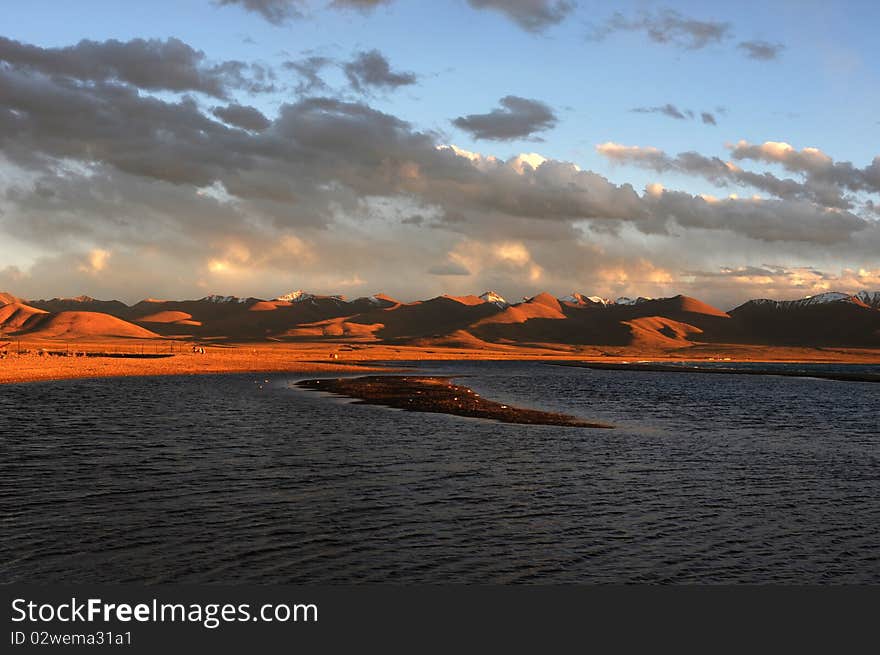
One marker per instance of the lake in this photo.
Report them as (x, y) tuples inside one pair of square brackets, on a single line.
[(246, 478)]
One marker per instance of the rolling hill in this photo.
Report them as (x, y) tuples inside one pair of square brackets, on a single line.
[(488, 320), (78, 325)]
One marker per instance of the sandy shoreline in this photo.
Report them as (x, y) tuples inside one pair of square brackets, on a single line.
[(151, 358), (437, 394)]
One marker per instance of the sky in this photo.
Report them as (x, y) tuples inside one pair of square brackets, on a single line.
[(182, 148)]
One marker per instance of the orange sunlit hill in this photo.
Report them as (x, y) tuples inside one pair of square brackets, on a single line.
[(78, 337)]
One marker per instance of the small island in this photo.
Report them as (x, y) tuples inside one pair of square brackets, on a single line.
[(438, 395)]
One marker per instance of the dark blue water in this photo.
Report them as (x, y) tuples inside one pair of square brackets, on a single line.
[(717, 478)]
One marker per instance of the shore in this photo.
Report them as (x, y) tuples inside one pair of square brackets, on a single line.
[(54, 360), (440, 396), (722, 370), (35, 367)]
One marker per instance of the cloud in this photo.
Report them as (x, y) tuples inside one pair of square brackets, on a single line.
[(779, 282), (352, 281), (321, 155), (760, 219), (647, 156), (667, 26), (818, 167), (276, 12), (95, 262), (672, 111), (189, 202), (371, 70), (761, 50), (512, 259), (531, 15), (725, 173), (449, 268), (360, 5), (153, 65), (516, 118), (309, 71), (243, 116), (779, 152), (667, 110)]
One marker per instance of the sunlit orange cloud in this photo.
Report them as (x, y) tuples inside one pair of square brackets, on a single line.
[(526, 159), (520, 163), (780, 283), (782, 153), (640, 277), (96, 261), (614, 150), (239, 260), (509, 256), (353, 281)]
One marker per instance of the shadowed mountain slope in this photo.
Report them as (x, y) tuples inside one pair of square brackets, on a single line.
[(829, 319)]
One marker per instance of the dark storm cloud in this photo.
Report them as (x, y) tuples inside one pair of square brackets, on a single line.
[(243, 116), (516, 118), (155, 65), (667, 26), (761, 50), (276, 12), (531, 15), (708, 118), (371, 70)]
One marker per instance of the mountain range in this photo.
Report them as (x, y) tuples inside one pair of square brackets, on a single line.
[(487, 320)]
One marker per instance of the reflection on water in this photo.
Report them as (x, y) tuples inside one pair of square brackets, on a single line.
[(230, 478)]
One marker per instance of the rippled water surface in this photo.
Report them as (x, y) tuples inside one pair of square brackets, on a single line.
[(707, 478)]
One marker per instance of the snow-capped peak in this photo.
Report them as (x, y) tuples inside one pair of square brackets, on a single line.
[(82, 299), (820, 299), (295, 296), (580, 299), (630, 301), (823, 298), (221, 299), (495, 299), (870, 298)]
